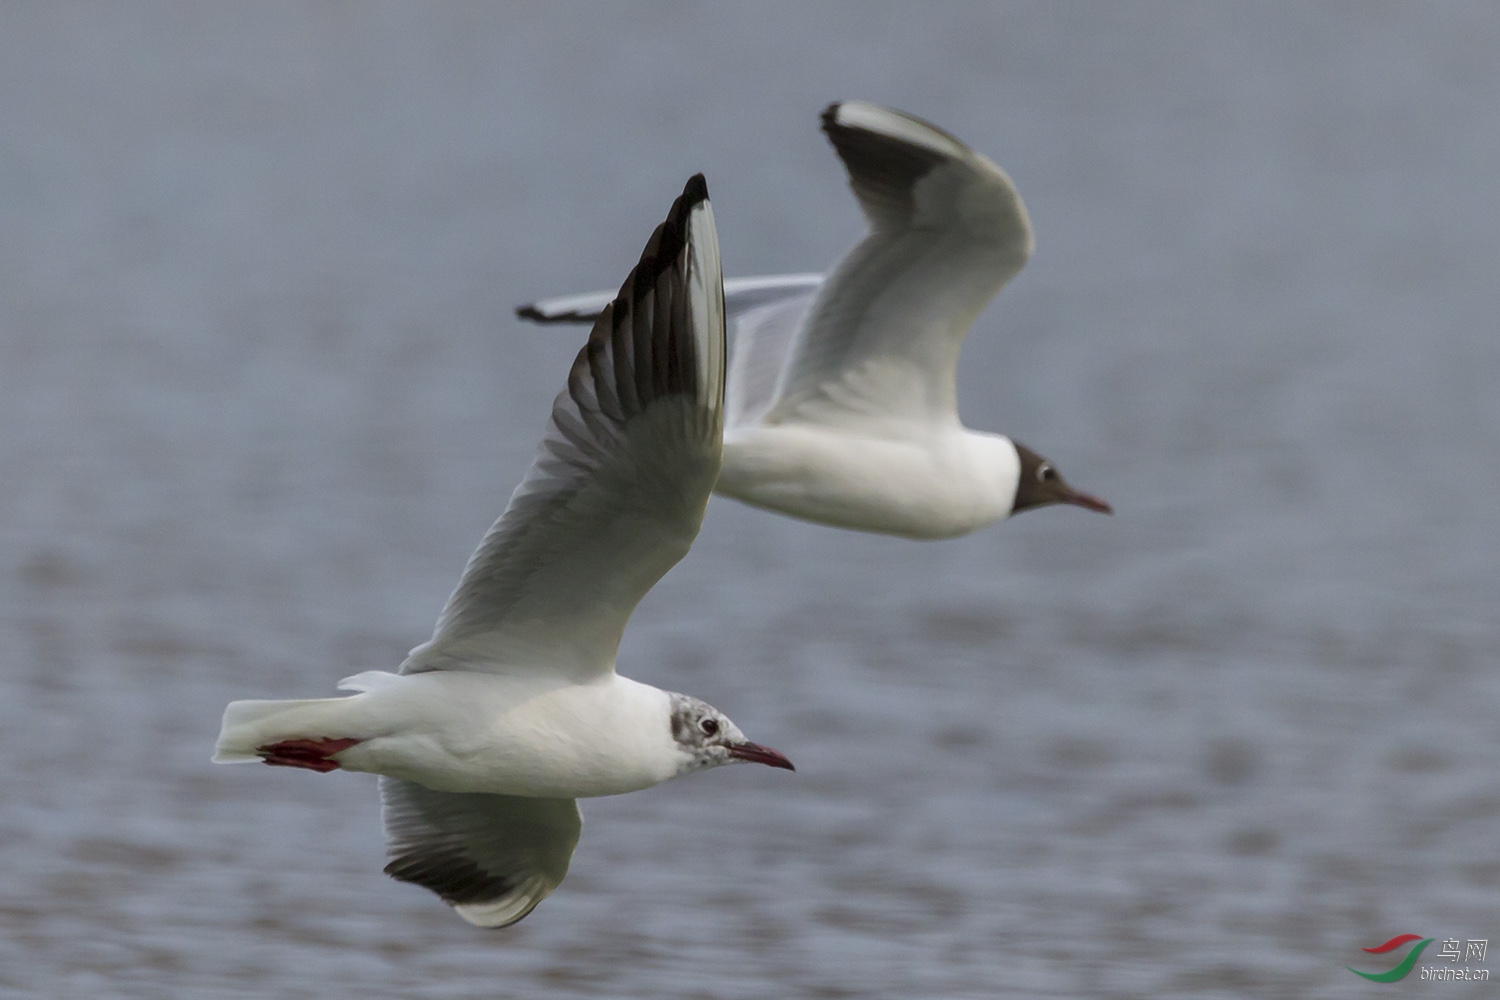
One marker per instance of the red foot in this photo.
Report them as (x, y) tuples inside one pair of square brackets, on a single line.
[(311, 754)]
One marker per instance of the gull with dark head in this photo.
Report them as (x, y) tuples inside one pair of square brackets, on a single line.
[(513, 710), (842, 401)]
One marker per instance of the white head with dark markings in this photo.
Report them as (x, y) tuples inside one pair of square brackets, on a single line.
[(706, 738)]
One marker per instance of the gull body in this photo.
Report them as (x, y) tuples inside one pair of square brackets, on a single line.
[(461, 731), (939, 483), (513, 710), (842, 399)]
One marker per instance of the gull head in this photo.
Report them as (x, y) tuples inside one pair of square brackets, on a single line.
[(704, 737), (1041, 484)]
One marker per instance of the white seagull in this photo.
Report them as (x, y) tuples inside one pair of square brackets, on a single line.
[(842, 405), (513, 709)]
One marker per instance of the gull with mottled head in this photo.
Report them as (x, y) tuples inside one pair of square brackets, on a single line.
[(513, 710)]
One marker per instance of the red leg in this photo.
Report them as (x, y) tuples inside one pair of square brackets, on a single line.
[(312, 754)]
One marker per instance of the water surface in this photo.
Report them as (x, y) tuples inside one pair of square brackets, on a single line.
[(261, 393)]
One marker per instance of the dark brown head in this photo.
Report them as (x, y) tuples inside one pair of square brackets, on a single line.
[(1042, 484)]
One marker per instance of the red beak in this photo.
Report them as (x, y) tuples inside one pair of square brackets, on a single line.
[(760, 755), (1087, 502)]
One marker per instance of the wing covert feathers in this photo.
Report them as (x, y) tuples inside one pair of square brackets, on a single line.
[(618, 488)]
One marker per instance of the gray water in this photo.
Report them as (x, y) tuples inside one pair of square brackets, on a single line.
[(261, 392)]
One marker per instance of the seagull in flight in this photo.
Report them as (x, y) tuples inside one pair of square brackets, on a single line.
[(513, 710), (842, 402)]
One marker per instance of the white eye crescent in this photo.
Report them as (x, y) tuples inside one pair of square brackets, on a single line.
[(710, 727), (1045, 472)]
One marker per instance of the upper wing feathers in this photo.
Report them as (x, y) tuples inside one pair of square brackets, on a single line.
[(618, 488), (947, 230), (910, 174)]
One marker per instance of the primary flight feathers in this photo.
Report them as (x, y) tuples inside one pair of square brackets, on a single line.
[(619, 485)]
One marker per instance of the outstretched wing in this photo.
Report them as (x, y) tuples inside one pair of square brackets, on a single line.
[(618, 488), (491, 857), (947, 230)]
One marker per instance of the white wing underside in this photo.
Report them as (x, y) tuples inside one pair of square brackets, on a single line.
[(878, 340), (947, 230), (493, 858), (618, 489)]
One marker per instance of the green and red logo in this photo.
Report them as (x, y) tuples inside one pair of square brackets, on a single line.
[(1404, 967)]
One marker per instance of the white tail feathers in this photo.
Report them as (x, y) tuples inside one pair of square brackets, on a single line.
[(250, 725)]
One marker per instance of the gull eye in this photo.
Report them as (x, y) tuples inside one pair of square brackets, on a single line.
[(709, 727), (1045, 472)]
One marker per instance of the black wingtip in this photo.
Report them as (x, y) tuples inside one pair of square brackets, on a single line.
[(661, 251), (669, 239), (832, 127), (532, 314), (830, 115), (694, 192)]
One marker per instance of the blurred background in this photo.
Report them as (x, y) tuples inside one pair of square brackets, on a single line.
[(261, 392)]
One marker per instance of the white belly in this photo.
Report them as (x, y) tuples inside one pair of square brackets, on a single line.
[(934, 488), (473, 732)]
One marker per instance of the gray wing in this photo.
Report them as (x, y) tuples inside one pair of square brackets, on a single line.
[(618, 488), (491, 857), (763, 338), (947, 230)]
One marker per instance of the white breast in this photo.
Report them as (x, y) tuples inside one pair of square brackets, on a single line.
[(941, 484), (457, 731)]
